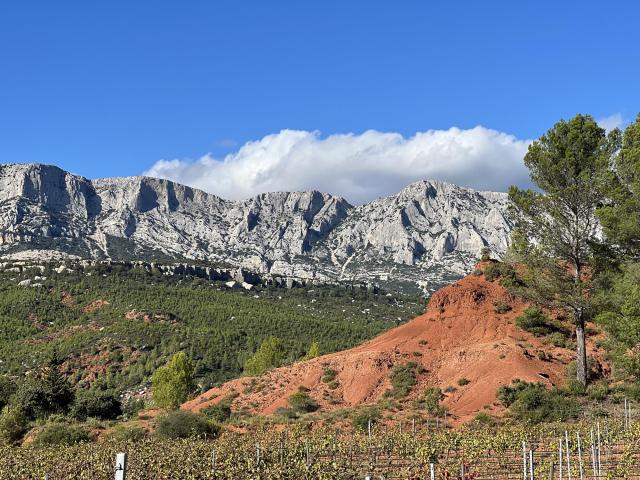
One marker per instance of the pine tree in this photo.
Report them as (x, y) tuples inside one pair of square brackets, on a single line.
[(557, 235)]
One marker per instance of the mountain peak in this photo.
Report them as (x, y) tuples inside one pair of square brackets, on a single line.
[(430, 229)]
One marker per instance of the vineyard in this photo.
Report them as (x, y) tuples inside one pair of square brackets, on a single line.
[(606, 450)]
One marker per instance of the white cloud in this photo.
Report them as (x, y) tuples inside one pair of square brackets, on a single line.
[(358, 167), (611, 122)]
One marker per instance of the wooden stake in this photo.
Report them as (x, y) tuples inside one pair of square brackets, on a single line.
[(593, 455), (524, 460), (566, 444), (598, 451), (531, 464), (560, 459), (580, 457)]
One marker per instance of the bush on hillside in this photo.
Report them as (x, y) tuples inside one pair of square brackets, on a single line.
[(46, 394), (534, 320), (62, 434), (132, 406), (506, 273), (507, 394), (183, 424), (483, 420), (328, 375), (13, 424), (430, 401), (501, 307), (536, 404), (219, 412), (101, 404), (123, 433), (360, 418), (403, 379), (7, 388), (301, 402)]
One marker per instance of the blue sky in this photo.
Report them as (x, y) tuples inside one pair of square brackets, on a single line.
[(111, 88)]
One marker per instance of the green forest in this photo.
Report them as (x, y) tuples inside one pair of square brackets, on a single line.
[(114, 326)]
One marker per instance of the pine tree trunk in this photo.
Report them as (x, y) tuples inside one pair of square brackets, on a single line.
[(581, 351)]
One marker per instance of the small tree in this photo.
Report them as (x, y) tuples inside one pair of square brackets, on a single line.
[(557, 235), (43, 394), (314, 351), (270, 355), (173, 383)]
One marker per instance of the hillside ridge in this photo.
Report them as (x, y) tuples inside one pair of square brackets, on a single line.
[(460, 336), (430, 232)]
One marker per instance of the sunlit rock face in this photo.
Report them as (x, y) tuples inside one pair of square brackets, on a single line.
[(430, 230)]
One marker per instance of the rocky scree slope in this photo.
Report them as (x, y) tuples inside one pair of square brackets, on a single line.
[(431, 230)]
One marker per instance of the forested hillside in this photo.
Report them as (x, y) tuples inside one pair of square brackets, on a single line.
[(115, 327)]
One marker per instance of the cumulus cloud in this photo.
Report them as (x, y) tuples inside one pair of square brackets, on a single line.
[(611, 122), (358, 167)]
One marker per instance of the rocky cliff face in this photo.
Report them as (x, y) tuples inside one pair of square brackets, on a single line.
[(431, 229)]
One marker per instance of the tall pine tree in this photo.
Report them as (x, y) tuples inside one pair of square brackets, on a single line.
[(558, 231)]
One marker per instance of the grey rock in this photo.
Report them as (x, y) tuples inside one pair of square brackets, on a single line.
[(430, 232)]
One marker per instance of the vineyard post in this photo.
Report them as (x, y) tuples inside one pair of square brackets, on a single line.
[(580, 457), (258, 456), (566, 444), (593, 454), (282, 440), (531, 469), (560, 459), (524, 460), (598, 451), (413, 421), (432, 471), (369, 429), (306, 447), (627, 416), (213, 462), (462, 473), (121, 466), (624, 416), (607, 444)]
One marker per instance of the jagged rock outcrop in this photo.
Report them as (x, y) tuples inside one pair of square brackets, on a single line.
[(430, 230)]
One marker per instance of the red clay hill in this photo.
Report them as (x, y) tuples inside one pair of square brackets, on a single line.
[(460, 336)]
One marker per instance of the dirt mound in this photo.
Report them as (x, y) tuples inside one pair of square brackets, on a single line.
[(95, 306), (149, 316), (465, 346), (67, 299)]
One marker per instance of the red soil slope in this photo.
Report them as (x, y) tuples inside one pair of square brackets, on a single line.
[(460, 336)]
